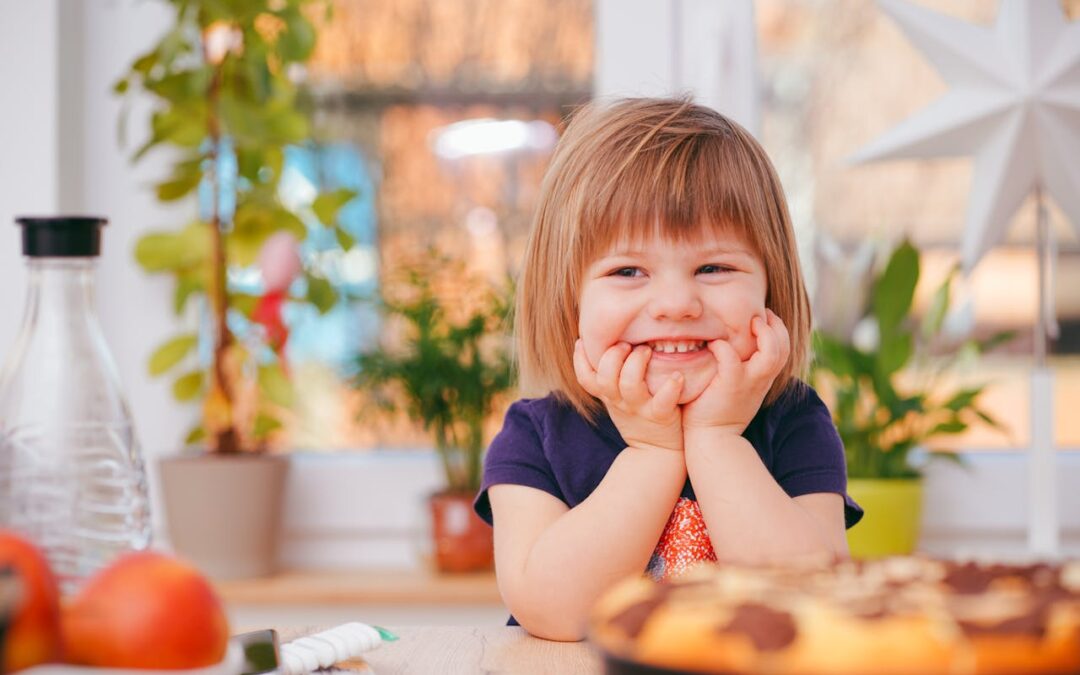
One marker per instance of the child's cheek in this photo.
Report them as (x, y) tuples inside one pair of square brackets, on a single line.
[(593, 350), (744, 341)]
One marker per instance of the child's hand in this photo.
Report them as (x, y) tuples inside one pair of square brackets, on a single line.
[(645, 421), (735, 394)]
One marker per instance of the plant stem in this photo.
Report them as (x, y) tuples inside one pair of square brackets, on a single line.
[(227, 439)]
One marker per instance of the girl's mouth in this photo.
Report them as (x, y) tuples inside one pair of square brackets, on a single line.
[(680, 350)]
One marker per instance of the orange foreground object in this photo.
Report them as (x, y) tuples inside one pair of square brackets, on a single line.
[(146, 610), (34, 634), (893, 616)]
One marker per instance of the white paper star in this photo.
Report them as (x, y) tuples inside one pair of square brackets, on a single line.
[(1014, 103)]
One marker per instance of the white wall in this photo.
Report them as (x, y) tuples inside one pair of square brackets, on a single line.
[(670, 47), (59, 153), (28, 139)]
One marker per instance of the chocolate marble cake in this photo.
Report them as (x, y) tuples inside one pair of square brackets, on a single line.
[(892, 616)]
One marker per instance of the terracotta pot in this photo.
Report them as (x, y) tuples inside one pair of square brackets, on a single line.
[(224, 512), (463, 542)]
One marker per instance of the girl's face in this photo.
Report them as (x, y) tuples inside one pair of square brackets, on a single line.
[(674, 298)]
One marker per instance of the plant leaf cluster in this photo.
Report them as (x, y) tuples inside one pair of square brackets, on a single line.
[(889, 400), (222, 83), (445, 373)]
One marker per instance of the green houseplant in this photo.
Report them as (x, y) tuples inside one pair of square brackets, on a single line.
[(226, 105), (891, 397), (447, 371)]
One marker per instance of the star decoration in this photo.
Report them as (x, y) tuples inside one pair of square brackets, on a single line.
[(1013, 103)]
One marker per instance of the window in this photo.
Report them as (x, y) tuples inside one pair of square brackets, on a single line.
[(399, 88), (836, 75)]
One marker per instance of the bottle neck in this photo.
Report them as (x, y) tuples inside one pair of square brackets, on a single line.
[(61, 289)]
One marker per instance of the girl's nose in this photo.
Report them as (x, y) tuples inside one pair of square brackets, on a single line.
[(675, 300)]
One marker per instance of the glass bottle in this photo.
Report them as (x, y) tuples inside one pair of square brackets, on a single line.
[(71, 473)]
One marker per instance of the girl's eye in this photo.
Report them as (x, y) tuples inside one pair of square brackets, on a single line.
[(626, 272), (713, 269)]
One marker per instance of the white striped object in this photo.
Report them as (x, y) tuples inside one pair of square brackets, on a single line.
[(322, 650)]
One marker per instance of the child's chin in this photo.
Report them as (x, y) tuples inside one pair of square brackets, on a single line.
[(696, 381)]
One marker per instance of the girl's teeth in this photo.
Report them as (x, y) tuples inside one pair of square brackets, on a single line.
[(676, 347)]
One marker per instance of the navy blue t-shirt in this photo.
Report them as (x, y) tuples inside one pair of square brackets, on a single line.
[(547, 445)]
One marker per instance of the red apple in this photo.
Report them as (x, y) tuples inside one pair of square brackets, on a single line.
[(146, 610), (34, 634)]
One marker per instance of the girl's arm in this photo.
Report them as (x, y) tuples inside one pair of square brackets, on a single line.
[(750, 517), (553, 562)]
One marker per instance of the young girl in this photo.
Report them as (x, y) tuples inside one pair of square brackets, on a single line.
[(662, 309)]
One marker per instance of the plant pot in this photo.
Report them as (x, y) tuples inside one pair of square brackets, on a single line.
[(893, 514), (463, 542), (223, 512)]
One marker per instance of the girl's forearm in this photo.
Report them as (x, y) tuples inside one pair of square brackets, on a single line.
[(609, 536), (749, 516)]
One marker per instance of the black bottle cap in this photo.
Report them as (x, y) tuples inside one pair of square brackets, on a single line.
[(61, 236)]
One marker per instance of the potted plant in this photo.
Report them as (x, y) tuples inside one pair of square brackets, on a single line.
[(226, 105), (446, 368), (888, 398)]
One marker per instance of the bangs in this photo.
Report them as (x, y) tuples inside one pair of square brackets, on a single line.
[(670, 188)]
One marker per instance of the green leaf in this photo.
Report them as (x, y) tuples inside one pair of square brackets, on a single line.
[(951, 427), (297, 41), (265, 425), (196, 434), (939, 307), (275, 385), (182, 125), (833, 355), (345, 240), (167, 251), (996, 340), (183, 88), (179, 187), (991, 421), (259, 77), (320, 293), (145, 63), (895, 288), (249, 161), (159, 251), (243, 303), (284, 219), (288, 126), (327, 205), (121, 86), (187, 386), (186, 286), (894, 353), (171, 353), (963, 399)]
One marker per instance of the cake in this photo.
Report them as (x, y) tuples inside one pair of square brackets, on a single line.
[(904, 615)]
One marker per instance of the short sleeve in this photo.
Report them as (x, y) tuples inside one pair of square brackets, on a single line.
[(809, 455), (516, 456)]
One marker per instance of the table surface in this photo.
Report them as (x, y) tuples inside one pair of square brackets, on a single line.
[(331, 588), (450, 650)]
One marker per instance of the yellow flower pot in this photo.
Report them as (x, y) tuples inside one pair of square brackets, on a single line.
[(893, 513)]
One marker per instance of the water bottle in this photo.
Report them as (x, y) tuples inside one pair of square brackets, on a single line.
[(71, 474)]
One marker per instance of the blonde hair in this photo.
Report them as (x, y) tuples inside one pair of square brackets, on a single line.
[(635, 168)]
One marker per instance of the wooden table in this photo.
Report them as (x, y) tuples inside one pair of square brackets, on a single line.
[(450, 650), (330, 587)]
